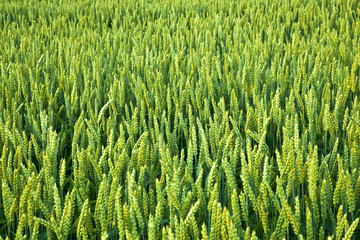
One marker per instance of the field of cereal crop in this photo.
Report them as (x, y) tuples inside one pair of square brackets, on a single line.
[(170, 119)]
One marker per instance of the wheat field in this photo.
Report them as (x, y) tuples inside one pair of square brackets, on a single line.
[(170, 119)]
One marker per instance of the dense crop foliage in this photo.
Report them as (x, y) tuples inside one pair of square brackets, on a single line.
[(171, 119)]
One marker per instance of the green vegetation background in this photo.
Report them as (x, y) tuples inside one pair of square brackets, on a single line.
[(179, 119)]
